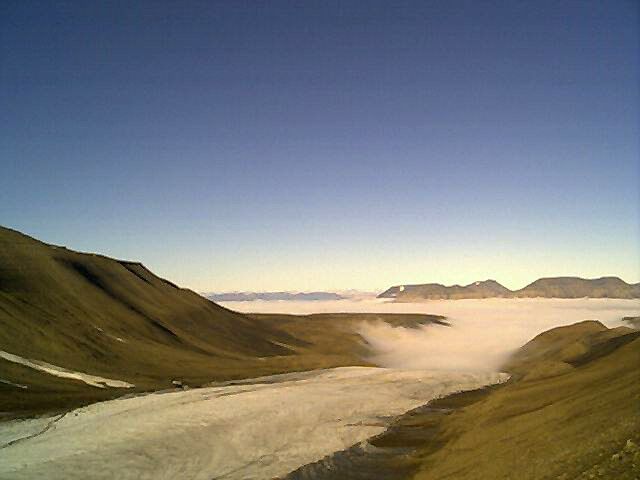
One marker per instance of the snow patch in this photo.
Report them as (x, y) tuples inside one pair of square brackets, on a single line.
[(93, 380), (113, 337), (17, 385)]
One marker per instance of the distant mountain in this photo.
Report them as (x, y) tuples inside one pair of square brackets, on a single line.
[(436, 291), (575, 287), (290, 296), (556, 287)]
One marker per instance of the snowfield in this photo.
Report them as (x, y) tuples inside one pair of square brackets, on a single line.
[(244, 431), (93, 380)]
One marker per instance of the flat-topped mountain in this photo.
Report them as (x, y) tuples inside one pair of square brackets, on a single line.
[(555, 287), (575, 287), (436, 291)]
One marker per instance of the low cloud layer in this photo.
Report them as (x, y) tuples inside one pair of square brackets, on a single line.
[(483, 332)]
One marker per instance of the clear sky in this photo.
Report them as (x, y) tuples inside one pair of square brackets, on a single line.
[(326, 145)]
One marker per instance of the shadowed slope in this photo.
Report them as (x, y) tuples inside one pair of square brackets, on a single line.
[(52, 299), (116, 319)]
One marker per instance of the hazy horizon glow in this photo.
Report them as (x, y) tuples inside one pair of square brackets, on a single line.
[(326, 146)]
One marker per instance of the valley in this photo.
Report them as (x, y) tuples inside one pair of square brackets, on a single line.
[(108, 369)]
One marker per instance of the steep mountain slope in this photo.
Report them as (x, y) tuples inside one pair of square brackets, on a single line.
[(93, 314), (557, 287), (64, 313), (55, 292)]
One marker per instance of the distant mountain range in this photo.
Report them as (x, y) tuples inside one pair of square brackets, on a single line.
[(291, 296), (555, 287)]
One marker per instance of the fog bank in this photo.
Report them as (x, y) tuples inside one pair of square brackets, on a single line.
[(483, 332)]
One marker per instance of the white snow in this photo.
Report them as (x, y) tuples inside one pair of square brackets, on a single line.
[(8, 382), (245, 431), (92, 380), (117, 339)]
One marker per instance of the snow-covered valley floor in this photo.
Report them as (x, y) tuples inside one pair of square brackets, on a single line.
[(249, 431)]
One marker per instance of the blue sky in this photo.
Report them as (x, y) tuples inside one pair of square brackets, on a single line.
[(326, 145)]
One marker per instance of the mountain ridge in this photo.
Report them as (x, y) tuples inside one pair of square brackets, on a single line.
[(546, 287)]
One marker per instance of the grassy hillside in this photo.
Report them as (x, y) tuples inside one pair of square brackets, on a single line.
[(557, 423), (116, 319)]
